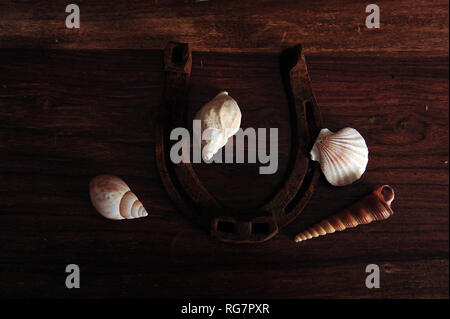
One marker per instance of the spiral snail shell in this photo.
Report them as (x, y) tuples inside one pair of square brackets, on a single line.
[(113, 199), (373, 207)]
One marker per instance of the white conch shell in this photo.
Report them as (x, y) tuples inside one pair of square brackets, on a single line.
[(343, 156), (112, 198), (220, 119)]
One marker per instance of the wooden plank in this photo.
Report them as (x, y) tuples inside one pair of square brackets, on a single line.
[(66, 116), (412, 28)]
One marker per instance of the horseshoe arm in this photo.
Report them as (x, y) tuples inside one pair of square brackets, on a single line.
[(306, 123), (180, 180)]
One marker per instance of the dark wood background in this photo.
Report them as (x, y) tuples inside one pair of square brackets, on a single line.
[(77, 103)]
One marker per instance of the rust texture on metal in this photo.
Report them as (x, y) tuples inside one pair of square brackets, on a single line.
[(183, 185)]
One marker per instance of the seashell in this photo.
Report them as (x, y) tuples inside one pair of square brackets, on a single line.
[(112, 198), (373, 207), (220, 119), (343, 156)]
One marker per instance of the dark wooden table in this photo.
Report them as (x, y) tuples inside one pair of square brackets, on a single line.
[(77, 103)]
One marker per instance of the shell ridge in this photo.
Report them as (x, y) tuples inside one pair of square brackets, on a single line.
[(373, 207), (343, 156), (327, 165), (113, 199)]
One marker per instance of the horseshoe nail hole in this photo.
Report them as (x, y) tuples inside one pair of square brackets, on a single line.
[(309, 108), (260, 228), (225, 227), (178, 54), (388, 194)]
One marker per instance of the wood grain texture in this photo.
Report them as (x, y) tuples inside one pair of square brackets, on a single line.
[(69, 115), (181, 181), (84, 109), (413, 28)]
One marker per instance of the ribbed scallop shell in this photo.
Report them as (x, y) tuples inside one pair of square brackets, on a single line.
[(113, 199), (373, 207), (343, 155)]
